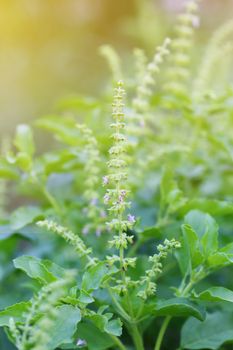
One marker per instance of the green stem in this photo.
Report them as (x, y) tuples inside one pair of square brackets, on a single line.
[(162, 332), (137, 338), (120, 309), (48, 196), (187, 289), (52, 201), (140, 311), (117, 341), (136, 335)]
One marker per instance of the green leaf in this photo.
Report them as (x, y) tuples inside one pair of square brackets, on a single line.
[(34, 268), (16, 311), (55, 269), (192, 240), (150, 232), (78, 103), (64, 129), (27, 232), (85, 297), (93, 277), (100, 340), (105, 324), (189, 255), (171, 195), (183, 257), (179, 307), (197, 220), (24, 216), (24, 139), (219, 260), (24, 161), (114, 327), (227, 249), (212, 206), (206, 228), (65, 326), (210, 334), (210, 238), (7, 171), (216, 294)]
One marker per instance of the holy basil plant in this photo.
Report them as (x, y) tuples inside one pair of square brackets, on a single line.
[(121, 236)]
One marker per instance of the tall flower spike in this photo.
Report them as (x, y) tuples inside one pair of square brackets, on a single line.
[(144, 90), (91, 168), (145, 87), (178, 71), (113, 61), (220, 46), (69, 236), (116, 196), (116, 181), (140, 64)]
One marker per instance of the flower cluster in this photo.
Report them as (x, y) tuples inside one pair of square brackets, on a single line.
[(116, 196), (144, 90), (91, 165), (148, 286), (117, 192), (111, 260), (68, 235), (145, 86), (113, 60), (91, 194), (178, 70), (219, 47), (140, 64)]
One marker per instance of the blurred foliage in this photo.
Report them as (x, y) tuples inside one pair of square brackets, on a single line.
[(50, 48)]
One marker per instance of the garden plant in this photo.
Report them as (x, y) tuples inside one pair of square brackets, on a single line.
[(121, 233)]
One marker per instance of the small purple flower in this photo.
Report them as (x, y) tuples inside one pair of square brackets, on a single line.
[(94, 201), (131, 219), (105, 180), (103, 214), (122, 196), (85, 230), (106, 198), (81, 342), (98, 232)]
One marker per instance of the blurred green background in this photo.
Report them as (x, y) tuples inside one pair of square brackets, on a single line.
[(49, 48)]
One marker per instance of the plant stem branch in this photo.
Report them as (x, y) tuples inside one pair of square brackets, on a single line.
[(117, 341), (48, 196), (52, 201), (137, 338), (162, 332), (120, 309)]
